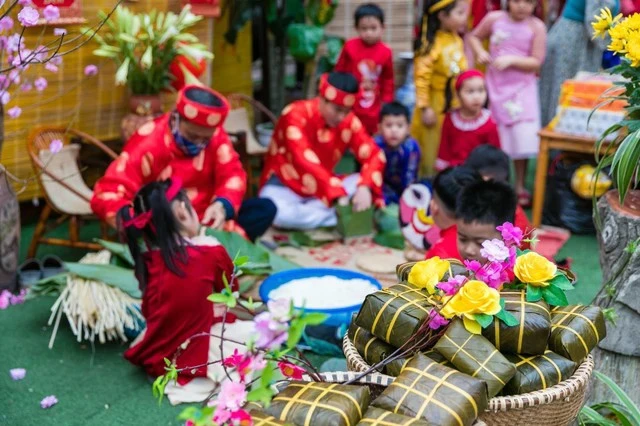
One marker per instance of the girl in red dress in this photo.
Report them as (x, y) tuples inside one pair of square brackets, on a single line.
[(176, 272), (470, 125)]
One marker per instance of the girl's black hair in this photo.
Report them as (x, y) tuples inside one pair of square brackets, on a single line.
[(448, 95), (424, 43), (162, 231)]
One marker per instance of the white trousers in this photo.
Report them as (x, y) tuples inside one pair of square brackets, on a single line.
[(297, 212)]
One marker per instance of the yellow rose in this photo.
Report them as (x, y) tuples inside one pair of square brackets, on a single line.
[(531, 268), (427, 273), (475, 297)]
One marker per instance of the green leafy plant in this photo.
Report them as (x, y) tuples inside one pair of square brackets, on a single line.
[(143, 46), (624, 412), (625, 161)]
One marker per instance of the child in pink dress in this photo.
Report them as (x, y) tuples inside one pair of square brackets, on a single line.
[(517, 42)]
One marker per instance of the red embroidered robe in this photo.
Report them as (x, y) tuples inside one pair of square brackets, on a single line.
[(152, 154), (304, 152)]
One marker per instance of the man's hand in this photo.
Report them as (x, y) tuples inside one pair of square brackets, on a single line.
[(362, 199), (215, 215), (429, 117)]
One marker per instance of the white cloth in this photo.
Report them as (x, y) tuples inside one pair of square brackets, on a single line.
[(198, 389), (297, 212)]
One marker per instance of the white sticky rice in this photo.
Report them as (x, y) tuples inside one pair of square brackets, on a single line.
[(328, 292)]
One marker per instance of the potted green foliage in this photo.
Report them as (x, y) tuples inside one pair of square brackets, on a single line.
[(144, 46)]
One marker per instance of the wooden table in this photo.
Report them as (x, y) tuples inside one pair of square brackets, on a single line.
[(551, 140)]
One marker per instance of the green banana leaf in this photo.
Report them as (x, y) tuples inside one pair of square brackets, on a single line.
[(49, 286), (120, 250), (259, 255), (393, 240), (109, 274)]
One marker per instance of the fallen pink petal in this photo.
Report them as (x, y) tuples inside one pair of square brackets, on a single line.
[(17, 373), (48, 401)]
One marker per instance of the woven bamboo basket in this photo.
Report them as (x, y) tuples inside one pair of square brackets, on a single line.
[(556, 406)]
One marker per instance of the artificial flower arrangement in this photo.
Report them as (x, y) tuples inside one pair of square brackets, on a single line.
[(475, 297)]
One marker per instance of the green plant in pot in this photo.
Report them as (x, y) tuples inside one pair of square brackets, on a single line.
[(617, 212), (144, 46)]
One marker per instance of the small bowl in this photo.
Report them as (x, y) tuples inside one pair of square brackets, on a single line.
[(337, 316)]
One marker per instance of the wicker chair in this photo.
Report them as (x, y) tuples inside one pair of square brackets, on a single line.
[(65, 191), (245, 113)]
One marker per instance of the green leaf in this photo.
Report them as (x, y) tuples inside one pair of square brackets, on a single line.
[(625, 163), (507, 318), (484, 320), (554, 296), (295, 333), (219, 298), (112, 275), (250, 305), (533, 293), (314, 318), (266, 375), (622, 414), (390, 239), (590, 416), (561, 281), (234, 243), (262, 394), (120, 250), (242, 260), (620, 394)]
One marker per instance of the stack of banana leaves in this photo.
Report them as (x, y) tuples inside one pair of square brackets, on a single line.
[(100, 296)]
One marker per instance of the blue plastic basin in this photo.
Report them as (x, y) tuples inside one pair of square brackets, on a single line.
[(338, 316)]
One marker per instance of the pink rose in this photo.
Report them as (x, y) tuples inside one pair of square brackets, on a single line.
[(28, 16), (494, 250)]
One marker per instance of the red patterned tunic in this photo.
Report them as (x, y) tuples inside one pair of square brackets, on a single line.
[(304, 152), (151, 154)]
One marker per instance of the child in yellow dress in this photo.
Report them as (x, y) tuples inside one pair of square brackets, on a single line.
[(438, 59)]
